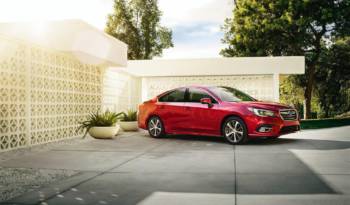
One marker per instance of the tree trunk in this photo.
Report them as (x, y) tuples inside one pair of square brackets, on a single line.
[(308, 92), (311, 75)]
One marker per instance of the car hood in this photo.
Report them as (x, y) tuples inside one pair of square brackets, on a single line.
[(265, 105)]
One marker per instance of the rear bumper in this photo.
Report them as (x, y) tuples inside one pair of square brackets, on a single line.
[(141, 124), (277, 125)]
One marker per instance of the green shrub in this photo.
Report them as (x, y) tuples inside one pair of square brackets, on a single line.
[(129, 116), (324, 123), (105, 119)]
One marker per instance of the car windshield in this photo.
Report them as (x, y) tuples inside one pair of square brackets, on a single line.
[(230, 94)]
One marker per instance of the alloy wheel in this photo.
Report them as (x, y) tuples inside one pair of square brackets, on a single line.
[(155, 127), (234, 131)]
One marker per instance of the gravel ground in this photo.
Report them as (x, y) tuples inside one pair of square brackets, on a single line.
[(16, 181)]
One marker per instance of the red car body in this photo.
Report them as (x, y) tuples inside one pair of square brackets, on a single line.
[(193, 118)]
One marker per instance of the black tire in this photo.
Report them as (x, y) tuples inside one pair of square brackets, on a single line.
[(234, 130), (155, 127)]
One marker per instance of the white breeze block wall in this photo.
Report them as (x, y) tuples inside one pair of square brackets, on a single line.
[(258, 86), (121, 90), (43, 94)]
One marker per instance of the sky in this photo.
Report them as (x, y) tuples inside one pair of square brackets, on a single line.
[(195, 23)]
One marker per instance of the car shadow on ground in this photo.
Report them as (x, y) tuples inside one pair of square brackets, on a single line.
[(269, 166), (314, 144), (214, 139), (318, 144)]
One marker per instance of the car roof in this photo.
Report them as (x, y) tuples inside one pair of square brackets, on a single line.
[(191, 86)]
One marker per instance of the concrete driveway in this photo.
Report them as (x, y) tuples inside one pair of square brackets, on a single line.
[(309, 167)]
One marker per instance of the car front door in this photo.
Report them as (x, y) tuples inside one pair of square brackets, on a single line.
[(202, 119)]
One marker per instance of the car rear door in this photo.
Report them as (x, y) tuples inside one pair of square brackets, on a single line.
[(170, 108)]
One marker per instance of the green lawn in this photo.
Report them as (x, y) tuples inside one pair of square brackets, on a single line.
[(324, 123)]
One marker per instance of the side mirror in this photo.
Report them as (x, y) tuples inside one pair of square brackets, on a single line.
[(207, 101)]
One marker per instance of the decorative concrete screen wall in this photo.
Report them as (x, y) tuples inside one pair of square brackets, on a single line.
[(121, 90), (259, 86), (43, 94)]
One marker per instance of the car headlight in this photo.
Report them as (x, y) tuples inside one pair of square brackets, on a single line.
[(262, 112)]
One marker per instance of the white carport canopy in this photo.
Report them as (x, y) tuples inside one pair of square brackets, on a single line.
[(217, 66), (161, 74), (89, 44)]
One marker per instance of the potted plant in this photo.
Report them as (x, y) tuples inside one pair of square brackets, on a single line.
[(128, 121), (101, 125)]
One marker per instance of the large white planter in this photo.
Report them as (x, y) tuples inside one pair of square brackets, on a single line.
[(104, 132), (129, 126)]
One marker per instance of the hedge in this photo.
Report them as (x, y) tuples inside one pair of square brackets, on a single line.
[(324, 123)]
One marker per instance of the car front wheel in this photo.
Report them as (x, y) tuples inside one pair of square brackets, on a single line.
[(155, 127), (235, 130)]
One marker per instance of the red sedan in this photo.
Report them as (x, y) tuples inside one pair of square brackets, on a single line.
[(216, 111)]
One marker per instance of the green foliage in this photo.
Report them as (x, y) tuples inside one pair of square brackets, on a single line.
[(129, 116), (292, 94), (137, 23), (286, 27), (333, 78), (106, 119), (343, 115)]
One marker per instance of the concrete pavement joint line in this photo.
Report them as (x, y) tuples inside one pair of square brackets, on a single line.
[(171, 172), (99, 174), (81, 150), (235, 170), (286, 174)]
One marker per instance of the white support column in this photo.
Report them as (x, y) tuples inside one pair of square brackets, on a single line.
[(276, 87), (144, 88), (130, 91)]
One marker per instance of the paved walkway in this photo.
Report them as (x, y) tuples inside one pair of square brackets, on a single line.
[(310, 167)]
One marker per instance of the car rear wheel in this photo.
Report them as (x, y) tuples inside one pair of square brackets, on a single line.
[(235, 130), (155, 127)]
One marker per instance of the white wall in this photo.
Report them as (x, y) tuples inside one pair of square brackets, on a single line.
[(89, 44), (261, 87), (43, 94), (217, 66), (121, 91)]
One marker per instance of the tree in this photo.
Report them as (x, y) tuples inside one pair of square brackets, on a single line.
[(137, 23), (333, 78), (293, 94), (287, 27)]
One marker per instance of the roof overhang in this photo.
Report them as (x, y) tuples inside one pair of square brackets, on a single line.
[(89, 44), (217, 66)]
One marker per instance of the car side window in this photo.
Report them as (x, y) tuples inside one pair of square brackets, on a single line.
[(174, 96), (195, 95)]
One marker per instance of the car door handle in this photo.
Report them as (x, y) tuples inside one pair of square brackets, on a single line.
[(187, 108), (161, 107)]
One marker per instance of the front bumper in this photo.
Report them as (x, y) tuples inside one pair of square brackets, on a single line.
[(276, 125)]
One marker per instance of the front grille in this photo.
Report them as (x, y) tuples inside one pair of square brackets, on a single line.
[(289, 129), (289, 114)]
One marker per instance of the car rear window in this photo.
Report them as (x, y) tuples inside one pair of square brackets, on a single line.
[(177, 95)]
